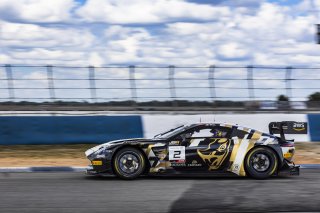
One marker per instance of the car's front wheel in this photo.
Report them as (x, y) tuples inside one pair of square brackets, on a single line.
[(128, 163), (261, 163)]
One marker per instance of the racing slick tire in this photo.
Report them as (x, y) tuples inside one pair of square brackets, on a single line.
[(128, 163), (261, 163)]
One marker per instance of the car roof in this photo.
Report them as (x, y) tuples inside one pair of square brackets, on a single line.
[(222, 125), (238, 127), (214, 124)]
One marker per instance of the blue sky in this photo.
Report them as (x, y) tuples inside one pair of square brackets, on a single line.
[(160, 32), (186, 32)]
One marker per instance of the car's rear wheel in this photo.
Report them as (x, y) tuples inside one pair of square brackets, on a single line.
[(128, 163), (261, 163)]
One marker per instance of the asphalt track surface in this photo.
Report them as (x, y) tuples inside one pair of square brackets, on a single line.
[(76, 192)]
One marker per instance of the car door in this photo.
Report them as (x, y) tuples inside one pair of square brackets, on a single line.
[(215, 150), (203, 148)]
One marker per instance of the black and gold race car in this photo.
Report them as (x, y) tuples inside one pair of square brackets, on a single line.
[(203, 148)]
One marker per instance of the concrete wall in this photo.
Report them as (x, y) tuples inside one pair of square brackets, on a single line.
[(61, 129), (67, 129), (314, 127)]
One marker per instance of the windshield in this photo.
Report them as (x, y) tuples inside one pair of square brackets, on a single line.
[(171, 132)]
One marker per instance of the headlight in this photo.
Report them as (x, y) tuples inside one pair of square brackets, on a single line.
[(93, 150), (98, 150)]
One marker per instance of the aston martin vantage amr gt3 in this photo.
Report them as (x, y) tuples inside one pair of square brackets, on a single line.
[(202, 148)]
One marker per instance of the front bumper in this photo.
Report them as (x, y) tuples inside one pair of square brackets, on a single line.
[(91, 171), (100, 162), (104, 167)]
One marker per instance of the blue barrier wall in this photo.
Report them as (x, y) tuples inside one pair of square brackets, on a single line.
[(314, 126), (67, 129)]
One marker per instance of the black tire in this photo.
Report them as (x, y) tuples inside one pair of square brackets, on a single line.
[(261, 163), (126, 168)]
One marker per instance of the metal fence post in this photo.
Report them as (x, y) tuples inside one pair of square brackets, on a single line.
[(211, 82), (133, 87), (172, 86), (92, 82), (50, 82), (288, 82), (10, 82), (250, 82), (318, 33)]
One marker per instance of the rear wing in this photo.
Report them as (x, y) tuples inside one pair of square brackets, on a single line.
[(288, 127)]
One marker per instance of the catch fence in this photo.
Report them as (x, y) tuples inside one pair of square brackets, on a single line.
[(155, 83)]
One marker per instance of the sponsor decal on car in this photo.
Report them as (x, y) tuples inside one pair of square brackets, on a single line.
[(177, 153), (172, 143), (194, 163), (287, 155), (97, 163), (178, 164)]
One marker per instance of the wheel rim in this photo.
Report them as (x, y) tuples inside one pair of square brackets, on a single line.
[(129, 163), (261, 162)]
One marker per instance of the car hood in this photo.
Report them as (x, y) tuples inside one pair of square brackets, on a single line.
[(115, 143)]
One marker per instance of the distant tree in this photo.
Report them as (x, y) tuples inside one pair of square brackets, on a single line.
[(283, 102), (283, 98), (314, 96)]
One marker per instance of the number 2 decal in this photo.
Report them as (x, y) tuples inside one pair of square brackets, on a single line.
[(177, 153)]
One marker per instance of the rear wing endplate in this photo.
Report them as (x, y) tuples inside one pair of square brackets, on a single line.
[(288, 127)]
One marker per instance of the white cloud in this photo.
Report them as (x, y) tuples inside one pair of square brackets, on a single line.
[(32, 36), (232, 50), (44, 54), (36, 10), (145, 11), (272, 35), (95, 59), (316, 3), (185, 28)]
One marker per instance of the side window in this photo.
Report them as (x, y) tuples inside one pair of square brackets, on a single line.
[(212, 132), (239, 133), (185, 135), (193, 135), (202, 133), (221, 132)]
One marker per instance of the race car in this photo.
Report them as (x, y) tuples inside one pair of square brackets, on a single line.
[(203, 149)]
